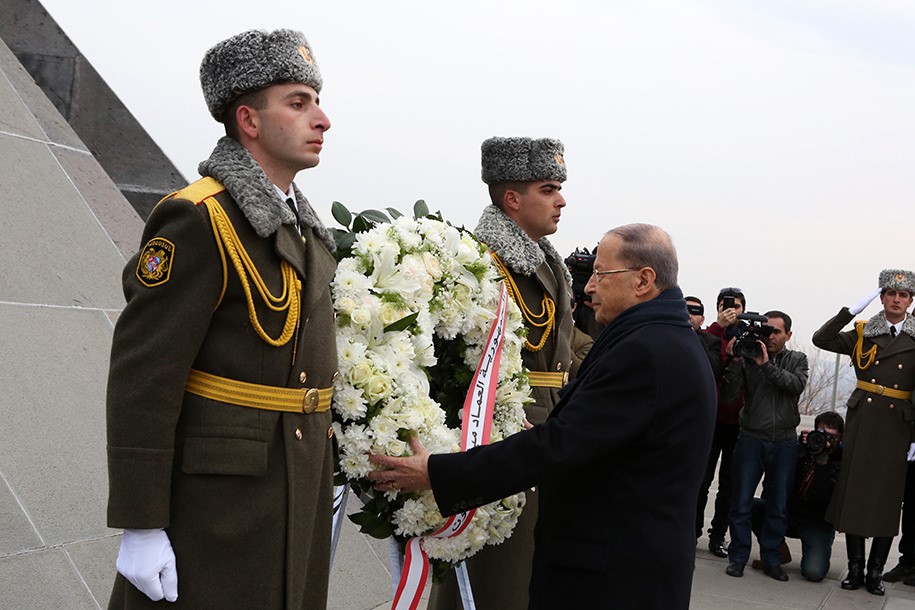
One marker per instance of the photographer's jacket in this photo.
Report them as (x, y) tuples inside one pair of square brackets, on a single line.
[(771, 394), (878, 427), (243, 493)]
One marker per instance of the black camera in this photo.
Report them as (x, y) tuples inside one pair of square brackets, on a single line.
[(751, 329), (581, 267), (818, 442)]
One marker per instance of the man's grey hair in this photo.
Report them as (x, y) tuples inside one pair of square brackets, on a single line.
[(647, 245)]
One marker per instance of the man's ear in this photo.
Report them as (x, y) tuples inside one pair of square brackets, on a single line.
[(645, 281), (248, 121), (511, 200)]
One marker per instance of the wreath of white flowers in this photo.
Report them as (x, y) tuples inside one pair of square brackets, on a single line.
[(407, 293)]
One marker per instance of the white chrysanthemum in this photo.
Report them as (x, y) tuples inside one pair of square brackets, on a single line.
[(383, 395)]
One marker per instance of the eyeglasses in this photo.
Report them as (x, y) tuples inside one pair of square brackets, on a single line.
[(600, 274)]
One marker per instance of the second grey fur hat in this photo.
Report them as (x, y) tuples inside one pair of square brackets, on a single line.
[(253, 60), (897, 279), (522, 160)]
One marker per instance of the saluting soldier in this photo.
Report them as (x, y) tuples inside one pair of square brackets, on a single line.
[(525, 178), (879, 425), (222, 364)]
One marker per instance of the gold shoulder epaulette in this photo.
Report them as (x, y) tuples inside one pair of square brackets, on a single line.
[(198, 191)]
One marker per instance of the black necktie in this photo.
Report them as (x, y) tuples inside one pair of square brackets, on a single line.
[(295, 212), (892, 331)]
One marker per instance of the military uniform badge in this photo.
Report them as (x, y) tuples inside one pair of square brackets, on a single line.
[(155, 264)]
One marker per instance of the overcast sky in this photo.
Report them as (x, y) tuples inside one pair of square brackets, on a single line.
[(773, 140)]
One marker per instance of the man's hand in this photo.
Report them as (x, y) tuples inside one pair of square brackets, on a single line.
[(911, 455), (863, 303), (727, 317), (402, 474), (763, 356), (147, 560)]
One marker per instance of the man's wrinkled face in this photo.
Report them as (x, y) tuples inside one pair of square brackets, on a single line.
[(611, 293)]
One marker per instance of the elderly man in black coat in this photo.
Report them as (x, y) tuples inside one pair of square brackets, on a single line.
[(620, 459)]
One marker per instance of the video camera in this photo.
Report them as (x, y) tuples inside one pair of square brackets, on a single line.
[(751, 329), (581, 266)]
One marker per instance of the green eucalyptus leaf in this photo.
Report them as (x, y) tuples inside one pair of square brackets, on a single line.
[(362, 224), (341, 214), (403, 323), (395, 213), (376, 216), (420, 209)]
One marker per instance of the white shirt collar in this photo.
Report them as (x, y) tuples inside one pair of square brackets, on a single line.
[(287, 195)]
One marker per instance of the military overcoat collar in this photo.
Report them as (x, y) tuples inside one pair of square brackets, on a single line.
[(233, 166)]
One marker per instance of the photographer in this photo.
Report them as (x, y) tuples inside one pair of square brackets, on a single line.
[(730, 303), (818, 462), (772, 379)]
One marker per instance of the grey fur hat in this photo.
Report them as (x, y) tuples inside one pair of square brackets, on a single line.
[(897, 279), (253, 60), (522, 160)]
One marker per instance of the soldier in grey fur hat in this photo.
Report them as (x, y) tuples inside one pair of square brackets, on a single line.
[(219, 429), (525, 178), (879, 433)]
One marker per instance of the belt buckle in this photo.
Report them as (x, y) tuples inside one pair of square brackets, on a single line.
[(310, 401), (879, 389)]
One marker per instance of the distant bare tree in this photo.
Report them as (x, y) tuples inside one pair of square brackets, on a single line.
[(818, 395)]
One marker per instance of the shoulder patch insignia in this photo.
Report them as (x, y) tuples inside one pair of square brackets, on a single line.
[(155, 264)]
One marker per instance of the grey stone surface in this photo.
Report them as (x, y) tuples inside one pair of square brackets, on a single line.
[(53, 125), (52, 248), (16, 117), (41, 581), (94, 560), (52, 443), (119, 220), (78, 93), (18, 534)]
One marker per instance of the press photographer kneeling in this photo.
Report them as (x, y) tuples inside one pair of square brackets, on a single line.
[(819, 455)]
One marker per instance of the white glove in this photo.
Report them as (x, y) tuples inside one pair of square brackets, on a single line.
[(911, 456), (147, 560), (863, 303)]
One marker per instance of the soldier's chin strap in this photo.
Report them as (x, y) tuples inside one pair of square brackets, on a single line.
[(863, 359)]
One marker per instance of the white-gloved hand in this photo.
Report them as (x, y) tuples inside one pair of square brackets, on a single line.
[(863, 303), (911, 455), (147, 560)]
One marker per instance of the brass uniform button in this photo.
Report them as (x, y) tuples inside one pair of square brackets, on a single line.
[(303, 377), (899, 367), (558, 366), (873, 381), (336, 377), (892, 405), (895, 386), (330, 432), (298, 434), (869, 399), (876, 362)]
